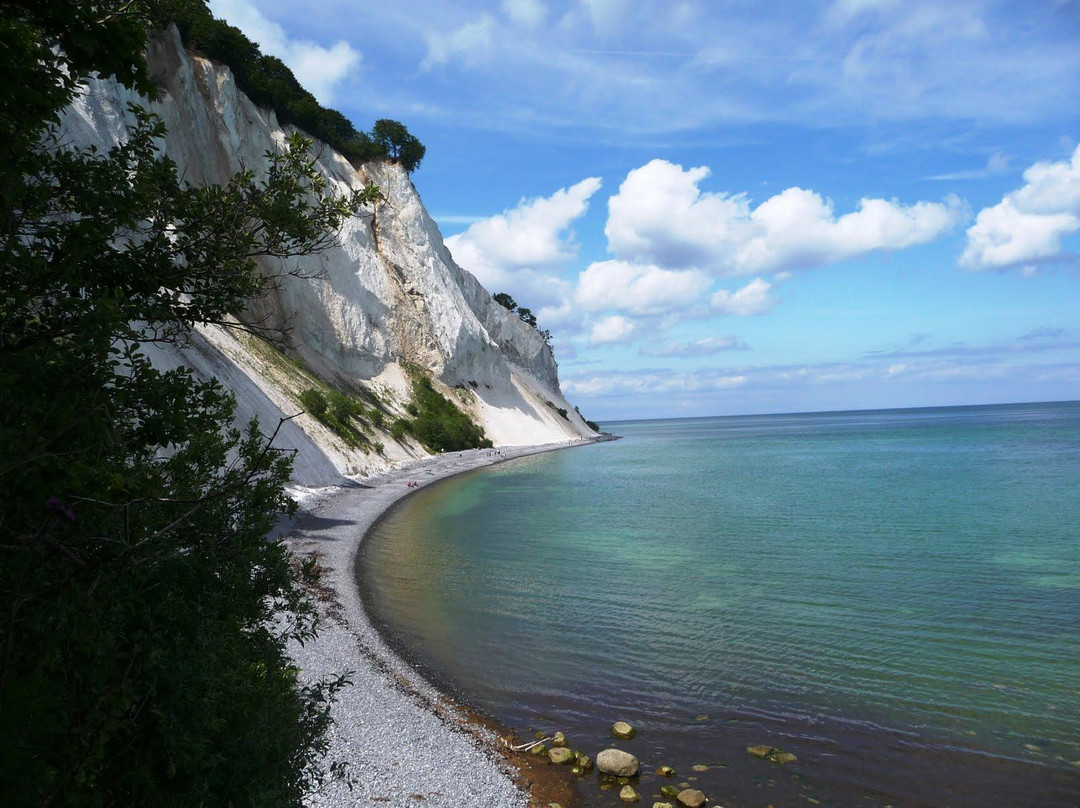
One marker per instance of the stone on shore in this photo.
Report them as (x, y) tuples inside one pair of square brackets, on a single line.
[(617, 762), (627, 794), (620, 729), (539, 749), (558, 739), (691, 798), (560, 754)]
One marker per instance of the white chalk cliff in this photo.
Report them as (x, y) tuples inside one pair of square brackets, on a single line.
[(367, 307)]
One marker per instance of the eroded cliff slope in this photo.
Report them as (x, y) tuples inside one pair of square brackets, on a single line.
[(385, 296)]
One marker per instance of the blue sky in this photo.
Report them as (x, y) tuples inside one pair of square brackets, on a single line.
[(735, 207)]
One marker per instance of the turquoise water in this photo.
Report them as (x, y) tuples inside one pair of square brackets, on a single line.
[(894, 596)]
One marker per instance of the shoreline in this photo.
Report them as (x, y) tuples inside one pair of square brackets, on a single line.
[(405, 738)]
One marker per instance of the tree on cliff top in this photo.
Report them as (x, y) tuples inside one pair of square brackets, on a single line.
[(142, 654), (398, 143)]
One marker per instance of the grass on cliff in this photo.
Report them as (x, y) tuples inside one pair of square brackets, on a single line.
[(436, 421)]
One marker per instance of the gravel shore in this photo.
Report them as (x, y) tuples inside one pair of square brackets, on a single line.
[(405, 743)]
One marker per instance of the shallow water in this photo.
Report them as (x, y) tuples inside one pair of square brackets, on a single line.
[(893, 596)]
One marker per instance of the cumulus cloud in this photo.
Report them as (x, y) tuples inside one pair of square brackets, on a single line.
[(1027, 225), (615, 328), (319, 69), (754, 298), (661, 216), (469, 43), (638, 288), (518, 249), (701, 347), (525, 13)]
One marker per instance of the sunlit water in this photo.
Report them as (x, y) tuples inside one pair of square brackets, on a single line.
[(893, 596)]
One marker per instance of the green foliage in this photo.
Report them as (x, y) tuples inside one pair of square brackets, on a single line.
[(526, 316), (269, 83), (439, 424), (140, 659), (378, 419), (314, 402), (504, 300), (399, 429), (399, 145), (337, 411)]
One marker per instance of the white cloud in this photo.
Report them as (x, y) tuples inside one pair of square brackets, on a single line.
[(615, 328), (517, 250), (319, 69), (533, 235), (702, 347), (661, 216), (525, 13), (638, 288), (1027, 225), (998, 163), (754, 298), (470, 43), (650, 381)]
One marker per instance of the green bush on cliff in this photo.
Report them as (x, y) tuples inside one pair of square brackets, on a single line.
[(439, 424), (141, 658)]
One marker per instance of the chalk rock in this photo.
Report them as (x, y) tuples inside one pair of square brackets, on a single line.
[(617, 762)]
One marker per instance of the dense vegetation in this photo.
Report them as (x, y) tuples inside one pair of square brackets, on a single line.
[(436, 421), (343, 414), (269, 83), (142, 653)]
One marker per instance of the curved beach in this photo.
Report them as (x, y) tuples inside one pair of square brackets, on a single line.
[(404, 742)]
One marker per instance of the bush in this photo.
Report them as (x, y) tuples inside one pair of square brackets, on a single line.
[(399, 429), (439, 424), (314, 403), (377, 417)]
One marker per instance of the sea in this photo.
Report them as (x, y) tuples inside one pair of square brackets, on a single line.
[(893, 596)]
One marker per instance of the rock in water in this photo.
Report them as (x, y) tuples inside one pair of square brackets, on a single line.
[(760, 751), (662, 805), (781, 757), (585, 762), (617, 762), (627, 794), (620, 729), (669, 791), (666, 771), (558, 739), (560, 754), (691, 798)]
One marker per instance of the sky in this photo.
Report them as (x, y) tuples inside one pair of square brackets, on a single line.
[(732, 207)]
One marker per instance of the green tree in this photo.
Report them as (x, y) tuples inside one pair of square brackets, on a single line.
[(142, 658), (398, 144), (526, 316), (504, 300)]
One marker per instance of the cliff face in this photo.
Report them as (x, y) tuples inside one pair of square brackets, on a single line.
[(386, 294)]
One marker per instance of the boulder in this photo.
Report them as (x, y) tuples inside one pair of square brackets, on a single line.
[(760, 751), (781, 757), (558, 739), (691, 798), (560, 754), (620, 729), (617, 762), (627, 794)]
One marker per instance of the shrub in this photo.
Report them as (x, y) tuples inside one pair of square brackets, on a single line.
[(314, 402), (439, 424), (377, 418), (399, 429)]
